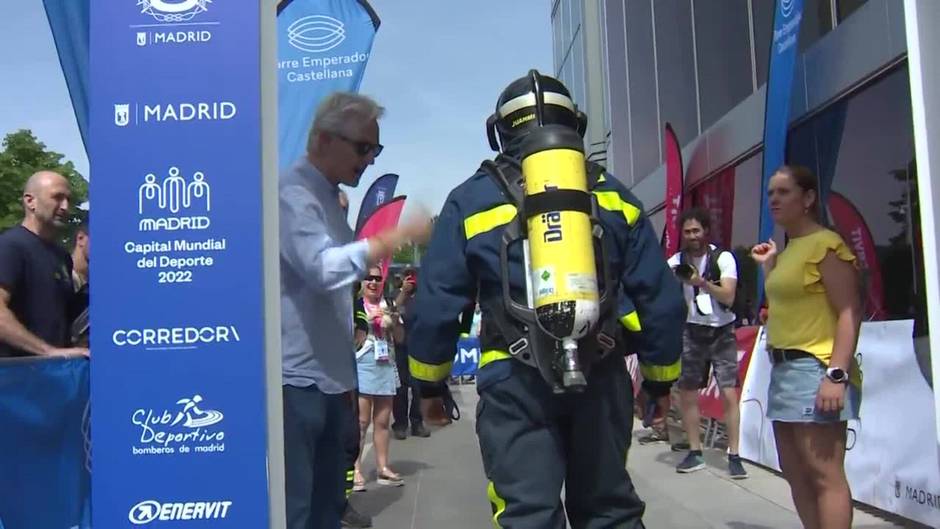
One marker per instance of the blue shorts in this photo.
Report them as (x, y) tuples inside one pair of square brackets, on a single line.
[(791, 396)]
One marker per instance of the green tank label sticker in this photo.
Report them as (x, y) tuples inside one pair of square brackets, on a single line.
[(544, 282)]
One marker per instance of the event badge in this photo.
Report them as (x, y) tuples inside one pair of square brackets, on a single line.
[(704, 304), (381, 351)]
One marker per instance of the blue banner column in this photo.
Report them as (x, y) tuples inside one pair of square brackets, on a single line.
[(184, 167), (784, 48), (323, 47)]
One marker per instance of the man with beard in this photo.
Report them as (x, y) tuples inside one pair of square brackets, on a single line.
[(709, 276), (36, 290)]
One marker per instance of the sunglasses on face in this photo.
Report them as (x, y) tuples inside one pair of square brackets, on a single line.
[(362, 148), (373, 279)]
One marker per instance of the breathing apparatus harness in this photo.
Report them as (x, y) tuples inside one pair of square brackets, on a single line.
[(543, 336)]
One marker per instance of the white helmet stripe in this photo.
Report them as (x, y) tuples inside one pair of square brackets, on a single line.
[(528, 100)]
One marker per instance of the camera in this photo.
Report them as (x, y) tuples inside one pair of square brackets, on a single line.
[(684, 271)]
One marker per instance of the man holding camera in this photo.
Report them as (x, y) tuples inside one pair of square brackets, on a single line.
[(709, 278)]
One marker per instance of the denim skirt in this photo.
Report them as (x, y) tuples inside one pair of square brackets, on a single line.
[(377, 378), (791, 396)]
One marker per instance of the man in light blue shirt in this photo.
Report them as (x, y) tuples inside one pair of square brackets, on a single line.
[(319, 263)]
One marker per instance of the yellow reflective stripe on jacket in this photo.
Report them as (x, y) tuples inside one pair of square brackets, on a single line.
[(429, 372), (661, 373), (611, 201), (499, 504), (490, 219), (632, 322), (492, 356)]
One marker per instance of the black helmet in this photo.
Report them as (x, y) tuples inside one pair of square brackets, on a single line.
[(519, 111)]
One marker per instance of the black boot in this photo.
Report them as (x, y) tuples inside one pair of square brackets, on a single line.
[(418, 430), (353, 518)]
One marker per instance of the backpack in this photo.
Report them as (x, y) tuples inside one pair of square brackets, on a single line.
[(713, 275)]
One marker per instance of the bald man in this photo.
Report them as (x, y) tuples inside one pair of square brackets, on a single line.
[(36, 290)]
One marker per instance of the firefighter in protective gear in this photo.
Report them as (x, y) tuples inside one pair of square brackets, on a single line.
[(537, 434)]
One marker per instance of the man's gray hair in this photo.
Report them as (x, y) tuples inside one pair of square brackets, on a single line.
[(338, 109)]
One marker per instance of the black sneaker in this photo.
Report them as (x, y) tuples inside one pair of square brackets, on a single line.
[(353, 518), (680, 447), (735, 467), (420, 431), (692, 463), (400, 433)]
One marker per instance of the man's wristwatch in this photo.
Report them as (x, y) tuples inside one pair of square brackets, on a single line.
[(837, 375)]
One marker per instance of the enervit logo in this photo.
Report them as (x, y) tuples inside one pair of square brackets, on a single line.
[(149, 511), (175, 337), (786, 7), (173, 11), (316, 33)]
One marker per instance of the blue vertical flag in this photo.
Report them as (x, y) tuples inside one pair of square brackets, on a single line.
[(69, 22), (783, 51), (323, 47), (380, 192)]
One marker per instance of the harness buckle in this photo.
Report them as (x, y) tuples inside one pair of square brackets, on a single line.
[(517, 347)]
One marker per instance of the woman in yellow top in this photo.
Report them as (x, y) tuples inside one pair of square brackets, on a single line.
[(812, 329)]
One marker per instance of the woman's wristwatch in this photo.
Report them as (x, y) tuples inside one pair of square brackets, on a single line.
[(837, 375)]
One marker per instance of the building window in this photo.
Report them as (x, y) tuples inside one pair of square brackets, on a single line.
[(817, 21), (847, 7), (558, 40)]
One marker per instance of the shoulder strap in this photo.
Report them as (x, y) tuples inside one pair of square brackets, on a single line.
[(508, 177), (713, 271), (594, 173)]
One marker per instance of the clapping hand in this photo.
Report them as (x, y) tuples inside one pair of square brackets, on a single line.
[(763, 252)]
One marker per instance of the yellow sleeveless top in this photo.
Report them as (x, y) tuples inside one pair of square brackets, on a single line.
[(799, 314)]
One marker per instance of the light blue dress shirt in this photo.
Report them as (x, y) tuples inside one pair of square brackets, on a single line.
[(319, 264)]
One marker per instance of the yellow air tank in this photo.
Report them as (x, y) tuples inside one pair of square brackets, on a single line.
[(562, 267)]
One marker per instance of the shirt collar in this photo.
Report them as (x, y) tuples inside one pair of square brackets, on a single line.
[(314, 178)]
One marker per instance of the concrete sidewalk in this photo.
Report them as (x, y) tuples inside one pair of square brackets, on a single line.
[(446, 489)]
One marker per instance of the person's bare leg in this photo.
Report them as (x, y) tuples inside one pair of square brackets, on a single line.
[(732, 418), (381, 417), (365, 417), (796, 474), (688, 401), (822, 446)]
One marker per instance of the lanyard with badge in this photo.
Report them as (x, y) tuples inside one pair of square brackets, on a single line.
[(380, 344), (702, 300)]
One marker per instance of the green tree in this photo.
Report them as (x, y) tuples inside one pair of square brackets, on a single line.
[(22, 155)]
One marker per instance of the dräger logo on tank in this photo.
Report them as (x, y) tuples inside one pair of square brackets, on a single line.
[(185, 112), (153, 511), (183, 430), (173, 22)]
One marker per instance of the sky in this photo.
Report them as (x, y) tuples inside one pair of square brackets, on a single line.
[(32, 88), (437, 67)]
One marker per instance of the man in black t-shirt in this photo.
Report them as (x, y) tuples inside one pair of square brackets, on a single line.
[(36, 290)]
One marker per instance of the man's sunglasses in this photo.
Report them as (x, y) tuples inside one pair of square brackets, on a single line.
[(362, 148), (376, 279)]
